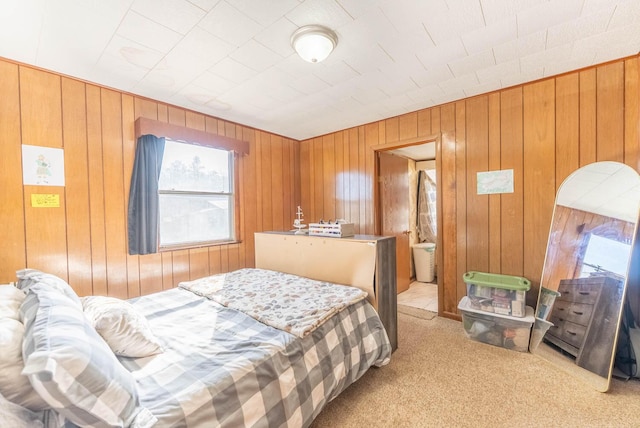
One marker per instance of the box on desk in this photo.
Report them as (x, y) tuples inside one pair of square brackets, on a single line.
[(500, 294), (498, 330), (337, 230)]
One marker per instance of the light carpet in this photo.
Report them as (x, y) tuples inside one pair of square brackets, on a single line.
[(440, 378)]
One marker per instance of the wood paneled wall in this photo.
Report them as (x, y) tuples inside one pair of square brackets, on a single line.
[(84, 241), (542, 130), (570, 229)]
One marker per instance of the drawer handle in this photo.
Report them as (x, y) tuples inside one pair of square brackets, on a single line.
[(578, 313), (571, 333), (584, 293)]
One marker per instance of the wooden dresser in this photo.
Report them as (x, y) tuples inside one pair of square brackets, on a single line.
[(585, 318), (364, 261)]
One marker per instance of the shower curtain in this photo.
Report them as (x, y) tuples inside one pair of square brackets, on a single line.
[(427, 225)]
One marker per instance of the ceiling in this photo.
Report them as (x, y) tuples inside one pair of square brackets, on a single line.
[(233, 58), (418, 152), (611, 189)]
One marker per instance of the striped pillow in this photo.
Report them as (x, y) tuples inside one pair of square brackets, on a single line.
[(71, 366), (30, 277)]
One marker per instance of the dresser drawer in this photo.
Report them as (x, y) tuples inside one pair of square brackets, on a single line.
[(579, 313), (568, 331), (583, 292)]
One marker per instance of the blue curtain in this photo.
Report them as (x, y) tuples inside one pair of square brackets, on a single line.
[(143, 197)]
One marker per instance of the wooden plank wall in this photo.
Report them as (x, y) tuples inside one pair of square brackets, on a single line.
[(543, 130), (570, 227), (84, 241)]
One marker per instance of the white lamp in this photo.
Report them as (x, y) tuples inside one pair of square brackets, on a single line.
[(314, 42)]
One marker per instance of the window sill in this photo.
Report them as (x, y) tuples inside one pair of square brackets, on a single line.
[(196, 246)]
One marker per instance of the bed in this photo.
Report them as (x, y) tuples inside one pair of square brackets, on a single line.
[(248, 348)]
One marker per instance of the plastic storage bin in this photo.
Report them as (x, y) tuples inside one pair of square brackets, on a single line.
[(424, 256), (498, 330), (500, 294), (545, 302)]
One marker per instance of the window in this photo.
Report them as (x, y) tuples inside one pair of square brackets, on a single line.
[(196, 195), (605, 255)]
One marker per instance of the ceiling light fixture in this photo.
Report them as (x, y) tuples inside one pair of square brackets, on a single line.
[(314, 42)]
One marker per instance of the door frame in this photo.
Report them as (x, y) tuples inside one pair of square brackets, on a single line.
[(377, 209)]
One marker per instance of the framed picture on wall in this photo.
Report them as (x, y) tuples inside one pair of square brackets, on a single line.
[(42, 166)]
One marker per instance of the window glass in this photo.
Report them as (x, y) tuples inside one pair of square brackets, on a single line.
[(187, 167), (605, 255), (196, 195)]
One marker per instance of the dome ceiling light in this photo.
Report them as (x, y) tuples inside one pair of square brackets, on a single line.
[(314, 42)]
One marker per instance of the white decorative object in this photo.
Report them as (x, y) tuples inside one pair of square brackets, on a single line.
[(336, 229), (298, 223)]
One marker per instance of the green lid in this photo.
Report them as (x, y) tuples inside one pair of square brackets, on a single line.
[(497, 280)]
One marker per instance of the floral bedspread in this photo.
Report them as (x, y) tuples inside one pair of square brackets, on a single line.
[(288, 302)]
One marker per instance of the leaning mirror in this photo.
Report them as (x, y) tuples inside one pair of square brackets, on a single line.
[(585, 271)]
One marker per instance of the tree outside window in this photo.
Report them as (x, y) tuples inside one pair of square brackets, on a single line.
[(196, 195)]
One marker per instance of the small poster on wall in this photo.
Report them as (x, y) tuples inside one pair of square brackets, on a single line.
[(39, 200), (42, 166), (492, 182)]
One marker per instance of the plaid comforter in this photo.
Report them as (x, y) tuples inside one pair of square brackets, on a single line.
[(224, 368)]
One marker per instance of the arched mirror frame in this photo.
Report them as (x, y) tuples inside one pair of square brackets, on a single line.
[(566, 261)]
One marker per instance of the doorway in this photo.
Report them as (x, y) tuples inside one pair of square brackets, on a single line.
[(399, 169)]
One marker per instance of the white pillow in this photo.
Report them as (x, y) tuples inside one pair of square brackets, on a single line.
[(126, 331), (10, 300), (13, 385)]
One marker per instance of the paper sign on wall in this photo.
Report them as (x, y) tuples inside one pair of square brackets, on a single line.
[(42, 166), (492, 182), (45, 200)]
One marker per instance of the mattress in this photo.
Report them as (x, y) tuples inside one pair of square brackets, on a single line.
[(224, 368)]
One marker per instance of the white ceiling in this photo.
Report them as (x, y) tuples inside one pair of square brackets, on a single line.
[(419, 152), (233, 59), (611, 189)]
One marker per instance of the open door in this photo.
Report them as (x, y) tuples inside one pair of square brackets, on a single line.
[(393, 181)]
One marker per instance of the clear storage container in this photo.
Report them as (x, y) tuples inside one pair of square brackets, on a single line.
[(497, 293), (498, 330)]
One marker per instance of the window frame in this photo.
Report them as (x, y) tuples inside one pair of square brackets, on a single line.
[(181, 134)]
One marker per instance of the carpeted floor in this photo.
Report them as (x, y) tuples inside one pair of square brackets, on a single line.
[(440, 378)]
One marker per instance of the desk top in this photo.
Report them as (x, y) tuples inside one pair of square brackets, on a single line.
[(348, 238)]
